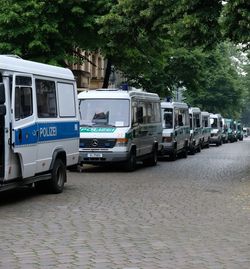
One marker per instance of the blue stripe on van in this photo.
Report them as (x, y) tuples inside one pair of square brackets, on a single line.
[(43, 132)]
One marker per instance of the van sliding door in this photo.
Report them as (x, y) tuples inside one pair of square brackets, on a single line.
[(24, 131)]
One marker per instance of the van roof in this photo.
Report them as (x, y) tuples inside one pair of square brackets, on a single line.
[(116, 94), (215, 115), (15, 64), (205, 113), (194, 110), (173, 104)]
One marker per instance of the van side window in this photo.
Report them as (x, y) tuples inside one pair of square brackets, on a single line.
[(156, 112), (134, 113), (176, 115), (142, 113), (23, 98), (46, 98), (66, 93), (205, 122)]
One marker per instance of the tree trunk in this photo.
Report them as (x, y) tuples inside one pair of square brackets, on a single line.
[(107, 74)]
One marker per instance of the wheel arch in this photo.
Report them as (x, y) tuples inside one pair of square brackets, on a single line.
[(58, 154)]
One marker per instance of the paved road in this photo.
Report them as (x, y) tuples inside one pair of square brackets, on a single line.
[(192, 213)]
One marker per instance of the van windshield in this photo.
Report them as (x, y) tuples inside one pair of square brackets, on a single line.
[(168, 118), (104, 112), (214, 123)]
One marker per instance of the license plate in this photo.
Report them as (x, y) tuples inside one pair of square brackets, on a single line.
[(94, 155)]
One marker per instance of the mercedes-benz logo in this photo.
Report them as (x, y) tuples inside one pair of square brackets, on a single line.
[(94, 143)]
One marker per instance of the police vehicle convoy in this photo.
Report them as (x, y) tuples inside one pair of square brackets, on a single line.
[(39, 121), (119, 126)]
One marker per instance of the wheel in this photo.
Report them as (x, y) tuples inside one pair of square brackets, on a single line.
[(191, 150), (130, 164), (58, 178), (198, 148), (152, 161), (184, 153)]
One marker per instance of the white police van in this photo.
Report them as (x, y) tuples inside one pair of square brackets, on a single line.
[(206, 129), (216, 132), (195, 142), (119, 126), (39, 124), (176, 129)]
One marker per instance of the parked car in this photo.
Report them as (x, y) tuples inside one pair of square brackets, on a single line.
[(195, 141), (118, 126), (39, 122), (224, 131), (216, 132), (176, 129), (230, 129), (239, 130), (245, 133), (206, 129)]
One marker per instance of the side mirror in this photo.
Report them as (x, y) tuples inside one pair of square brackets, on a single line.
[(2, 94)]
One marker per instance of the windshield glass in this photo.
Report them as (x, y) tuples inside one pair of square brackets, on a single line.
[(104, 112), (168, 118), (214, 123)]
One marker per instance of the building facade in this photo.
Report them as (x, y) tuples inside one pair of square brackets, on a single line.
[(90, 71)]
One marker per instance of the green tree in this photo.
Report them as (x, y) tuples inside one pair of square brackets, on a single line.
[(47, 31), (159, 44), (236, 21), (222, 91)]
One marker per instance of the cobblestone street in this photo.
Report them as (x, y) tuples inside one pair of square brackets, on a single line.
[(193, 213)]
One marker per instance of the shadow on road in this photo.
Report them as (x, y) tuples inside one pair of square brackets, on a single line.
[(17, 195)]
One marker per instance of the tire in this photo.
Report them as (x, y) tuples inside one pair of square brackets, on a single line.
[(130, 164), (152, 161), (192, 150), (198, 148), (58, 178), (184, 153)]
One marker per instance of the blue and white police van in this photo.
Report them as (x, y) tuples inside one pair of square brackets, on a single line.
[(39, 124)]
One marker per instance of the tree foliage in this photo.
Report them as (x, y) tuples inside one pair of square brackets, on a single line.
[(47, 31), (236, 21), (223, 90), (159, 44)]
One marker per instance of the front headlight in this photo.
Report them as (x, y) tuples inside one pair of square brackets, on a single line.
[(121, 142)]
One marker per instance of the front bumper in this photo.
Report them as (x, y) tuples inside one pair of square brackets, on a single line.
[(167, 148), (102, 157), (215, 139)]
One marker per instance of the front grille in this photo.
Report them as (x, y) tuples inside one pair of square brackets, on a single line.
[(97, 143)]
